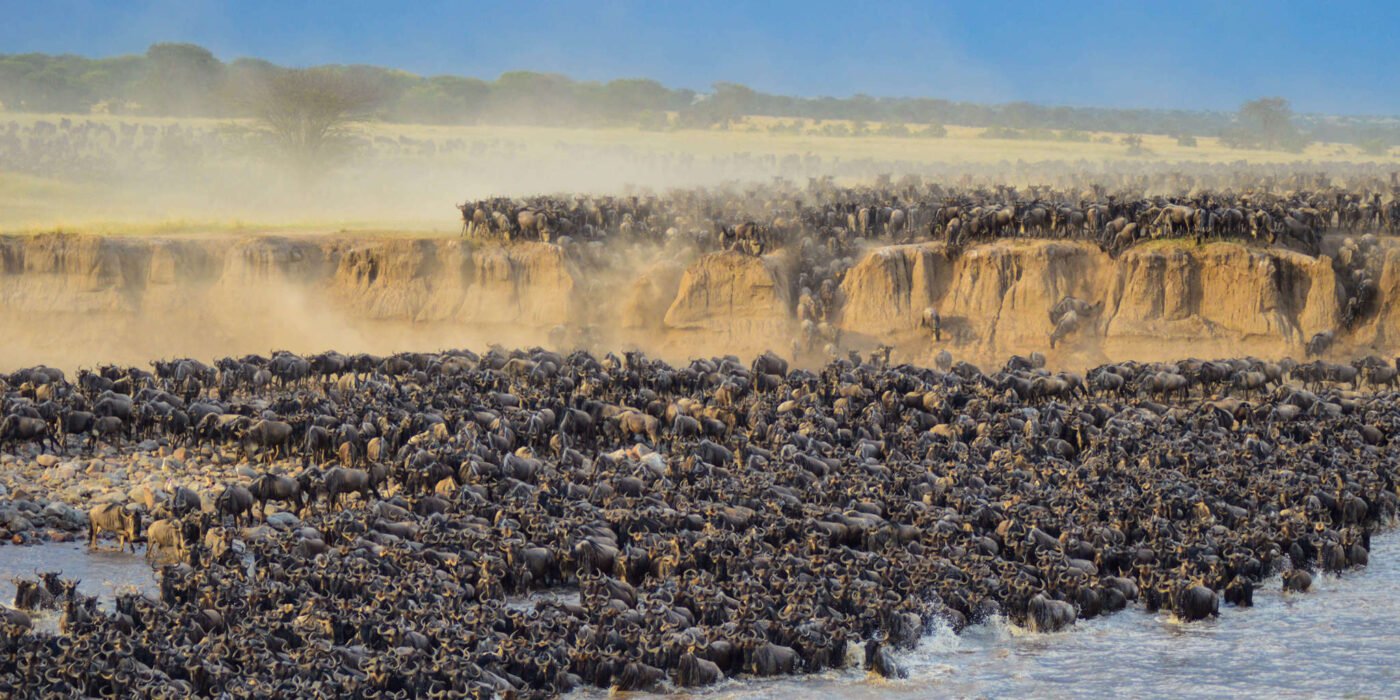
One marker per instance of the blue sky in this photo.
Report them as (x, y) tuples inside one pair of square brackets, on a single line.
[(1326, 57)]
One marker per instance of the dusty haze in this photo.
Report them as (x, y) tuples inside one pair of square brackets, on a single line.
[(197, 247), (72, 300)]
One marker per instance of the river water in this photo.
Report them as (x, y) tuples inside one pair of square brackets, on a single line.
[(1342, 639)]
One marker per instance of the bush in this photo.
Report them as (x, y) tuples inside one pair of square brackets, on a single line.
[(1374, 146), (1001, 132), (785, 128), (1134, 144), (1186, 140), (934, 131), (648, 120), (893, 129)]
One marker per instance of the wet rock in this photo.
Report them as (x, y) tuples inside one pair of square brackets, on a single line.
[(18, 523), (57, 511), (283, 520)]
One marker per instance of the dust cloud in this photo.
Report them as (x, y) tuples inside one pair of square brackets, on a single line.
[(184, 242)]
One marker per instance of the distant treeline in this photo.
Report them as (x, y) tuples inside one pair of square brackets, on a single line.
[(187, 80)]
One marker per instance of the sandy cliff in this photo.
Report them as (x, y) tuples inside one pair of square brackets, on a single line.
[(83, 299), (1158, 301)]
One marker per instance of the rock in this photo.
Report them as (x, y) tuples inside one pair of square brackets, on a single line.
[(46, 461), (18, 523), (62, 473), (109, 497), (734, 294), (180, 454), (282, 520), (147, 495), (57, 511), (148, 445)]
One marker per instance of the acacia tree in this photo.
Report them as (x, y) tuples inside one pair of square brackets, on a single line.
[(180, 80), (1266, 123), (308, 115)]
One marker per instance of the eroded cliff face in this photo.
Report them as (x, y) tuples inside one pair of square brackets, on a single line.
[(1383, 329), (79, 300), (1159, 302)]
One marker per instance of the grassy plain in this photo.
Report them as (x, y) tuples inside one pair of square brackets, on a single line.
[(396, 187)]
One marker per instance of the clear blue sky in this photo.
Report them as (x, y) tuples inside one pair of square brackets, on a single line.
[(1328, 57)]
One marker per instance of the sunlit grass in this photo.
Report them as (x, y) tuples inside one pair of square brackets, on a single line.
[(235, 195), (752, 134)]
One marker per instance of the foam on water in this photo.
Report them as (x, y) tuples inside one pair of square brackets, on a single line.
[(1337, 640)]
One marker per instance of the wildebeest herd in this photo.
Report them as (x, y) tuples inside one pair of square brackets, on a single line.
[(81, 148), (767, 217), (530, 522), (824, 227)]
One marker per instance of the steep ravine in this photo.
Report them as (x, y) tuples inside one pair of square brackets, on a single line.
[(77, 300)]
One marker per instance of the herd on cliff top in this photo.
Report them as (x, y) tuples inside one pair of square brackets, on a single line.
[(765, 218), (826, 224)]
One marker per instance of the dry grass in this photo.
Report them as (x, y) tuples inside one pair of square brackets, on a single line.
[(752, 135), (417, 191), (961, 145)]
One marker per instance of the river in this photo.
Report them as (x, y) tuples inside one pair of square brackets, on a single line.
[(1339, 640)]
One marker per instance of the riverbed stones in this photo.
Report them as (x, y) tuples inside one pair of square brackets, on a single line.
[(283, 520)]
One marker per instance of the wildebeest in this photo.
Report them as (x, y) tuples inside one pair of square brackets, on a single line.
[(163, 535), (274, 487), (933, 322), (234, 501), (118, 519), (339, 481), (268, 433), (25, 429)]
